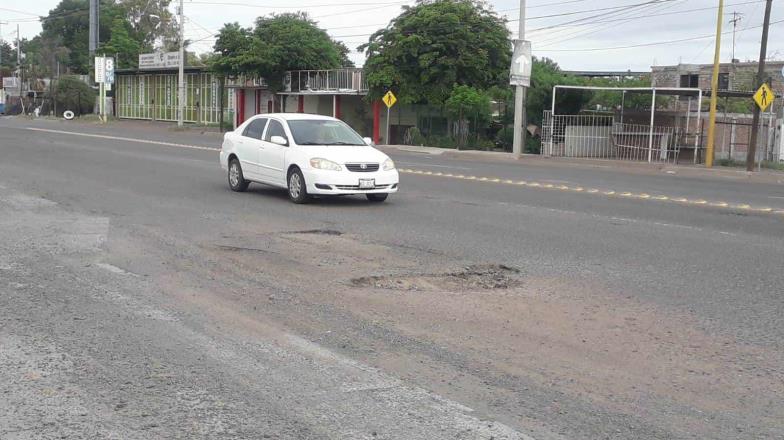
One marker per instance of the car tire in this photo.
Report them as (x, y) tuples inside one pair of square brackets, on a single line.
[(298, 190), (237, 180), (377, 198)]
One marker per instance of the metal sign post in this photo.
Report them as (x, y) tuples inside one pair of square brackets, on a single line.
[(389, 100)]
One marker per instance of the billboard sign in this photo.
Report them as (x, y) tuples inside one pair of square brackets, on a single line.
[(159, 60)]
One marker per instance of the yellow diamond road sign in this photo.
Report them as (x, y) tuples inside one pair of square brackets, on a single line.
[(764, 97), (389, 99)]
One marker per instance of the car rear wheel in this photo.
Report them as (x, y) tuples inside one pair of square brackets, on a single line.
[(378, 198), (298, 191), (237, 180)]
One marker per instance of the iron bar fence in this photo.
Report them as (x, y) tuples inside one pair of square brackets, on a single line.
[(336, 80), (602, 137)]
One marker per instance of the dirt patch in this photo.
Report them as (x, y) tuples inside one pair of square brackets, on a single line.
[(477, 277)]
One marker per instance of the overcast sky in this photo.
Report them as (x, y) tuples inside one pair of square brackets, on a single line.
[(580, 45)]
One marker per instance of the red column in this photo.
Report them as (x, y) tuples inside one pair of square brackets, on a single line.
[(240, 105), (301, 104), (336, 106), (376, 121), (258, 101)]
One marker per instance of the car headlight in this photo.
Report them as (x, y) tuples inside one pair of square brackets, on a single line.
[(324, 164), (389, 165)]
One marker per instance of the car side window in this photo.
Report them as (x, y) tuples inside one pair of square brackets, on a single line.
[(275, 129), (256, 128)]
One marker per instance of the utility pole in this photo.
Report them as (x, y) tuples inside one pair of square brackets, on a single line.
[(94, 27), (19, 66), (714, 90), (752, 151), (736, 17), (520, 117), (181, 81)]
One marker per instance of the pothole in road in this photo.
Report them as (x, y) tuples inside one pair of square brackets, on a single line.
[(476, 277)]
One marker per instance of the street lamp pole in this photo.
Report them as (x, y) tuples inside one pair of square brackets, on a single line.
[(181, 81), (518, 143)]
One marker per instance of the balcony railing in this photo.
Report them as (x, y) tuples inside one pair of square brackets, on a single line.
[(347, 81)]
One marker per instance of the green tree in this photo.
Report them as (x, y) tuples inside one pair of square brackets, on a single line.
[(545, 75), (122, 46), (7, 59), (150, 22), (73, 94), (68, 26), (277, 43), (466, 104), (434, 45), (233, 51)]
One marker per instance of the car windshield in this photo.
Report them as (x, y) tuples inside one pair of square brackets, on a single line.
[(323, 132)]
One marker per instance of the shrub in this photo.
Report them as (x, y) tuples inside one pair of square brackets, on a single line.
[(73, 94)]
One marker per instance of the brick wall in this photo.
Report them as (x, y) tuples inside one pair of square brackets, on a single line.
[(741, 75)]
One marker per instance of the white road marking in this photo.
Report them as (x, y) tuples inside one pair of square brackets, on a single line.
[(119, 138)]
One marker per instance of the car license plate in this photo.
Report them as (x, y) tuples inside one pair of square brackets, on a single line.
[(367, 183)]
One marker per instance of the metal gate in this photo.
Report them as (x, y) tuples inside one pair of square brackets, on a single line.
[(602, 137)]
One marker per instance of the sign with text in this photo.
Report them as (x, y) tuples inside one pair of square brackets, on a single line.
[(10, 82), (100, 73), (108, 70), (520, 71), (159, 60)]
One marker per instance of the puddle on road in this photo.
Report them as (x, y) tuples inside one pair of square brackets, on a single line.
[(476, 277)]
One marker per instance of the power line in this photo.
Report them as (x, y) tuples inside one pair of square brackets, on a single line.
[(562, 14), (583, 32), (585, 11), (659, 43), (684, 11)]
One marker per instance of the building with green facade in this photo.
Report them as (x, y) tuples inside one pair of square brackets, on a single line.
[(152, 95)]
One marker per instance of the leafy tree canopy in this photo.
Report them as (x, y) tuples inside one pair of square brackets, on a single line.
[(121, 45), (141, 25), (545, 75), (466, 101), (277, 43), (434, 45)]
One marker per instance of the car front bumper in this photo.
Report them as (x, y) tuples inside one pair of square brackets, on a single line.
[(321, 182)]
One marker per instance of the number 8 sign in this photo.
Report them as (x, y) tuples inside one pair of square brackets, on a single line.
[(109, 70)]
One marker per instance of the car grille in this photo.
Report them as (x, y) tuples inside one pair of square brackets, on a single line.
[(357, 167), (356, 187)]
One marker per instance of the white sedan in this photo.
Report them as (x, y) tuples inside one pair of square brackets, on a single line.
[(310, 155)]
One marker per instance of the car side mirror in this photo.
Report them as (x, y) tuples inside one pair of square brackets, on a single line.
[(368, 141), (280, 140)]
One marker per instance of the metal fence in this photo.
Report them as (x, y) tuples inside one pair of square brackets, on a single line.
[(338, 80), (602, 137)]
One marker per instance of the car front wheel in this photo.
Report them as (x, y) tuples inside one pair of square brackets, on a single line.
[(237, 180), (298, 191), (377, 197)]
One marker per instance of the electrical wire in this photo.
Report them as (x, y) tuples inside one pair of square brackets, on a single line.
[(658, 43)]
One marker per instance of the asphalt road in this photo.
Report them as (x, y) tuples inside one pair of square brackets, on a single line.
[(140, 297)]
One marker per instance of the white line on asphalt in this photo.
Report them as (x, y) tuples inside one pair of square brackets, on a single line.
[(118, 138)]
